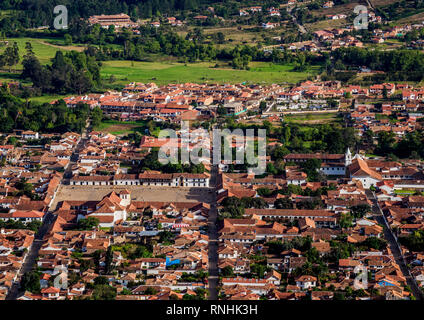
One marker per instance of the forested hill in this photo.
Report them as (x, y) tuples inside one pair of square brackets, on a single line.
[(40, 12)]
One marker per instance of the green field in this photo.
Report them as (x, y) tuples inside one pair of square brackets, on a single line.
[(312, 118), (44, 48), (48, 98), (163, 70), (173, 72), (404, 192), (116, 127)]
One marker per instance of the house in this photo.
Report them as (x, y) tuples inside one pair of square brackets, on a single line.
[(50, 293), (273, 277), (359, 170), (30, 135), (306, 282), (269, 25), (328, 4), (117, 20), (24, 216), (322, 247), (379, 89)]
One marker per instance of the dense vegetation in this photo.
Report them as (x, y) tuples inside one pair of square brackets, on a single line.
[(35, 13), (73, 72), (410, 146), (233, 207), (304, 138), (414, 242), (151, 162), (18, 114), (399, 65)]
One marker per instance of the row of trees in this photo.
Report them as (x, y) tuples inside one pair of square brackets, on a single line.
[(194, 46), (399, 64), (151, 162), (233, 207)]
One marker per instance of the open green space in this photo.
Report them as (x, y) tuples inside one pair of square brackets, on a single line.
[(43, 48), (312, 118), (174, 72), (48, 98), (402, 192), (163, 70), (117, 127)]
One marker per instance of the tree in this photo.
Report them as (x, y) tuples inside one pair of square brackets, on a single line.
[(279, 152), (74, 72), (68, 39), (311, 167), (150, 291), (31, 282), (264, 192), (374, 243), (385, 141), (258, 270), (104, 292), (360, 210), (227, 272), (11, 55), (271, 169), (220, 37), (286, 134), (96, 116), (166, 236), (28, 48), (346, 221), (283, 203), (414, 241), (221, 110), (88, 223), (313, 255), (262, 105), (101, 280)]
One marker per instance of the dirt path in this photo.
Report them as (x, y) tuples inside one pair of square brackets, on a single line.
[(69, 48)]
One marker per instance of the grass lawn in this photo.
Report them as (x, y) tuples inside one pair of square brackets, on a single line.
[(370, 155), (404, 191), (312, 118), (48, 98), (116, 127), (326, 24), (174, 72), (41, 48)]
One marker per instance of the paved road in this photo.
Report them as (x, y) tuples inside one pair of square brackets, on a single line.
[(32, 255), (302, 29), (394, 247), (75, 153), (370, 5), (213, 241)]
